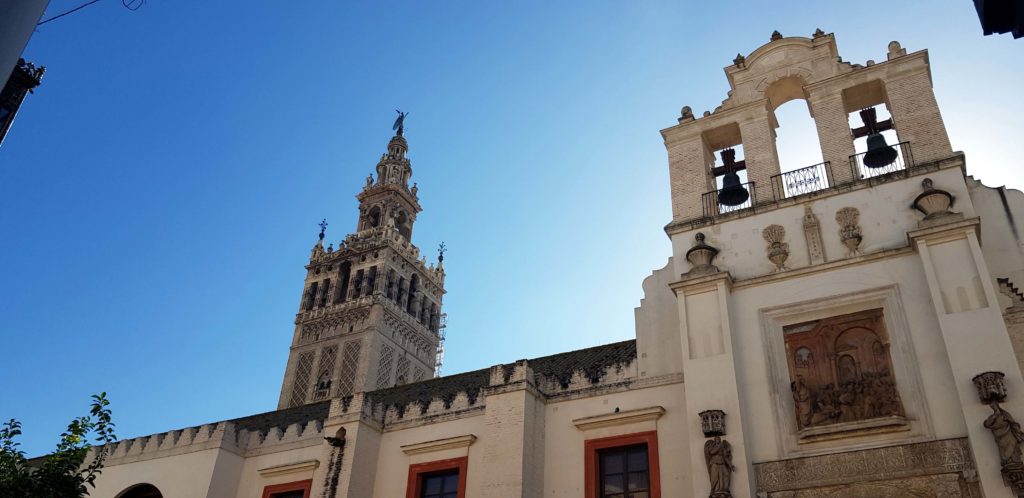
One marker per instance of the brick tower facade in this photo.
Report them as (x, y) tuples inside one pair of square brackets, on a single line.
[(370, 312)]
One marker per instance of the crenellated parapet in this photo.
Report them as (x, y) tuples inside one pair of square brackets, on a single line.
[(577, 373), (236, 436)]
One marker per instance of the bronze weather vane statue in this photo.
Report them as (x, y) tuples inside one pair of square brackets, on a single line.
[(399, 126)]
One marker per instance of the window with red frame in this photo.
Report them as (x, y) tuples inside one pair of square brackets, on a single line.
[(297, 489), (623, 472), (440, 479), (622, 466)]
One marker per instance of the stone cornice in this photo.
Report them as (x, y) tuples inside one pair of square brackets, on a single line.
[(439, 445), (290, 468), (947, 231), (619, 418), (823, 267), (690, 284), (682, 226)]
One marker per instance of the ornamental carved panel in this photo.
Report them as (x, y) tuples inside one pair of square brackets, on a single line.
[(840, 370)]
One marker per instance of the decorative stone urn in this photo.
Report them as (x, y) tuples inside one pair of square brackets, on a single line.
[(701, 255), (849, 230), (778, 251), (933, 202)]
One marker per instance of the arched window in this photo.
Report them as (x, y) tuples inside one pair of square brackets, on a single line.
[(345, 272), (413, 284), (141, 491), (390, 292), (373, 218), (403, 225), (801, 166)]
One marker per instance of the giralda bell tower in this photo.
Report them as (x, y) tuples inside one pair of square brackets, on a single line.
[(370, 312)]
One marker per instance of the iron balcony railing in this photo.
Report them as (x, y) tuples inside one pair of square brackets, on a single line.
[(904, 160), (802, 181), (713, 208)]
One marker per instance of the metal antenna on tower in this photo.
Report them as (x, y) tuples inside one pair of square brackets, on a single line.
[(439, 358)]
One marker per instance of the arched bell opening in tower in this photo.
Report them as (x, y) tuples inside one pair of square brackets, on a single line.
[(732, 192), (880, 154)]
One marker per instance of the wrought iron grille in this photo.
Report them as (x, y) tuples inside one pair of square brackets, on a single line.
[(802, 181), (713, 208), (904, 160)]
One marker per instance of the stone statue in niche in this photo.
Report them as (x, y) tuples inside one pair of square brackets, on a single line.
[(1005, 429), (841, 371), (778, 251), (718, 456), (1007, 434), (849, 229)]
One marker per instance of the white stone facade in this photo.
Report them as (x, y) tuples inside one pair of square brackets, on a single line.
[(927, 252)]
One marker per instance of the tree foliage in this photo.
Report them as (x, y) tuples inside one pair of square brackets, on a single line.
[(63, 473)]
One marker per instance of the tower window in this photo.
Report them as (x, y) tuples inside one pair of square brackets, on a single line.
[(413, 287), (371, 281), (373, 218), (310, 299), (325, 293), (357, 284)]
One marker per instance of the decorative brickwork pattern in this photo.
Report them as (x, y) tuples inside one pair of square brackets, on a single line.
[(419, 375), (402, 372), (349, 365), (387, 360), (327, 357), (300, 387)]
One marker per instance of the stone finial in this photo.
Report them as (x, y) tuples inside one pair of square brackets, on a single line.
[(849, 229), (778, 251), (895, 50), (701, 255), (991, 387), (776, 35), (818, 33), (740, 61), (685, 114), (712, 422), (933, 202)]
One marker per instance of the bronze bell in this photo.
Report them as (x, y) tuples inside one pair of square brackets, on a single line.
[(879, 154), (732, 193)]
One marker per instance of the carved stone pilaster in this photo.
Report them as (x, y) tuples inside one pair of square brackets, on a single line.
[(812, 234)]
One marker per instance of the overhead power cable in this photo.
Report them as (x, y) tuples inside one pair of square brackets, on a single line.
[(128, 4)]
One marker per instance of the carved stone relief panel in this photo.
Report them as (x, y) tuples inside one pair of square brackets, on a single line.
[(812, 233), (840, 370), (942, 468)]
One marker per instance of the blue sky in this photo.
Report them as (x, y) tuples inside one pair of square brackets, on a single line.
[(160, 191)]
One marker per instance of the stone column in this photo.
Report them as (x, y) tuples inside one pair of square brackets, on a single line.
[(974, 333), (710, 371), (759, 152), (834, 135), (513, 441)]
